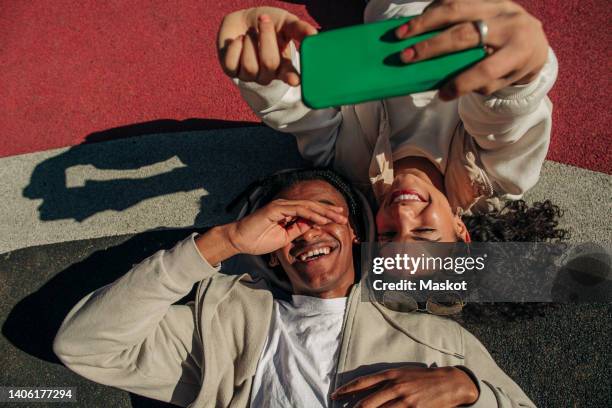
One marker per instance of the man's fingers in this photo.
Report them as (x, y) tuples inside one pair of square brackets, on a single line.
[(330, 212), (269, 54), (456, 38), (483, 76), (452, 12), (305, 213), (249, 67), (396, 403), (299, 227), (360, 384), (231, 59), (383, 396)]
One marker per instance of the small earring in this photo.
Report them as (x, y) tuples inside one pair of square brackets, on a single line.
[(273, 261), (356, 240)]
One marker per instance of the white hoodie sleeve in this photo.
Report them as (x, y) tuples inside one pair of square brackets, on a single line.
[(512, 129), (130, 335), (280, 107)]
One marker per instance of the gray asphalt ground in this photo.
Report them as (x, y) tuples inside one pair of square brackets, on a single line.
[(559, 354), (95, 225)]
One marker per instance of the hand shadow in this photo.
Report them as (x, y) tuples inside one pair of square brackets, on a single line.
[(222, 162)]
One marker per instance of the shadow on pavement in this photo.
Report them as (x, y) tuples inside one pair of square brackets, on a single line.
[(32, 323), (219, 156)]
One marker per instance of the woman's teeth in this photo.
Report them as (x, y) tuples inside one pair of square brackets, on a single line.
[(406, 197), (306, 256)]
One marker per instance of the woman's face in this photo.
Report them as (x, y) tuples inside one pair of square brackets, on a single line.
[(413, 209)]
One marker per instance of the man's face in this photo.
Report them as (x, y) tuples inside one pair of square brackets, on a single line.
[(319, 262)]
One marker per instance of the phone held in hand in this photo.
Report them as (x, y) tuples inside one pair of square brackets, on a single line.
[(362, 63)]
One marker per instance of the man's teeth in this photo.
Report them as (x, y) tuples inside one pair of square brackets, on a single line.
[(406, 197), (315, 252)]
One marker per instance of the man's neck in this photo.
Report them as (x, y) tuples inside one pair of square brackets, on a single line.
[(341, 289)]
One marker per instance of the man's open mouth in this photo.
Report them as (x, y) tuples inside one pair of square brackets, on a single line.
[(314, 252)]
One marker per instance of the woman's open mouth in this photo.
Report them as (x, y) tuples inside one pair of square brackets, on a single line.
[(406, 195)]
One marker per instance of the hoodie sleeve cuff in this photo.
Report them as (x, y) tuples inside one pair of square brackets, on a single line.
[(520, 99), (185, 265), (486, 396)]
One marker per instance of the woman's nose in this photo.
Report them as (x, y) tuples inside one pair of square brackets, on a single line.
[(406, 213), (406, 220)]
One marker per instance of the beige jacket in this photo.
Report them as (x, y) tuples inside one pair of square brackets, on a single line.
[(488, 148), (130, 335)]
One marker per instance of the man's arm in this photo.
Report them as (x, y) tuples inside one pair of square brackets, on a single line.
[(129, 335), (479, 383)]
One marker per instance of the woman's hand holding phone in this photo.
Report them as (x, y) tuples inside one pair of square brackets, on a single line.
[(253, 44), (515, 40)]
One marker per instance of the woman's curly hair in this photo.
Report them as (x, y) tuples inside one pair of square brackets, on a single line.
[(518, 222), (515, 222)]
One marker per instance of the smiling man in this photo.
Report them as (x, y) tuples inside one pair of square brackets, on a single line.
[(238, 345)]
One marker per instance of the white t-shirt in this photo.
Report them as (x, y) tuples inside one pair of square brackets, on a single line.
[(299, 357)]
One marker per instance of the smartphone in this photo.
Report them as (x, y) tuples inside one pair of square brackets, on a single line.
[(361, 63)]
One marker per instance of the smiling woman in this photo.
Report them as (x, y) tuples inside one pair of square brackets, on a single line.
[(415, 208)]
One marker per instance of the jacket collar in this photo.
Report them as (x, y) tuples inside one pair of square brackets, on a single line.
[(424, 328)]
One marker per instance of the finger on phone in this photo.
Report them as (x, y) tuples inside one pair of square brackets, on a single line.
[(249, 66), (269, 54), (483, 75), (231, 59), (458, 37), (446, 14), (287, 72)]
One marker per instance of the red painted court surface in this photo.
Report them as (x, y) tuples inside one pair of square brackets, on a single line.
[(72, 68)]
